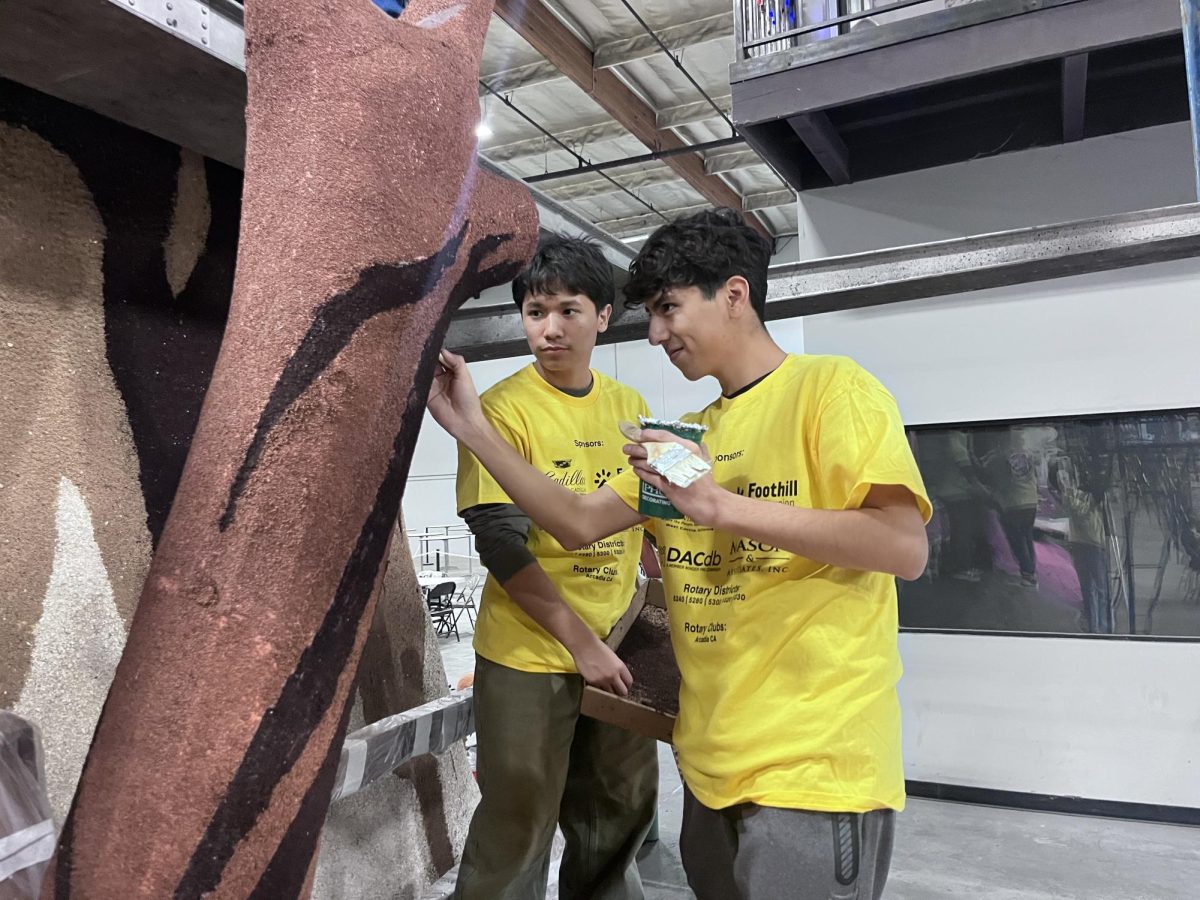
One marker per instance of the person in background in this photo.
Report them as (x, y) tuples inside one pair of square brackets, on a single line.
[(951, 474), (1086, 545), (1012, 477)]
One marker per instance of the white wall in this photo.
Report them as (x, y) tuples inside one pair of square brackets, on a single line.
[(429, 496), (501, 295), (1097, 177), (1108, 342), (1111, 720)]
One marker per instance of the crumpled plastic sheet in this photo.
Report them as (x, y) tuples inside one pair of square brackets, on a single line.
[(372, 752), (26, 824)]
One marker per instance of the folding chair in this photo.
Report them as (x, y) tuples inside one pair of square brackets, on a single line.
[(464, 600), (439, 602)]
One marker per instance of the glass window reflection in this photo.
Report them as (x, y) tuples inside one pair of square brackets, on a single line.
[(1076, 526)]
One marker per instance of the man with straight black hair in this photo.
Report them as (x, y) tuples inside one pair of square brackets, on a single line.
[(546, 609)]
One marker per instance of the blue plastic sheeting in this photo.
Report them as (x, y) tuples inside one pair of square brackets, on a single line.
[(1191, 49), (392, 7)]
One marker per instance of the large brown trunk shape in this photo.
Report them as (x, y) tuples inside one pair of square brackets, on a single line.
[(365, 222)]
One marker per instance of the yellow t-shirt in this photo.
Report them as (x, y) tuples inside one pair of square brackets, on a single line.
[(789, 667), (575, 441)]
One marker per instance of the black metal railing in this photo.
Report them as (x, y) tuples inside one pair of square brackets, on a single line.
[(769, 26)]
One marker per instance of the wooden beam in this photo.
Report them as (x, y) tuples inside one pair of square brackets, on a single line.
[(619, 52), (822, 138), (534, 21)]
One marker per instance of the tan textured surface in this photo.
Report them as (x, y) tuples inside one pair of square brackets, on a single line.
[(62, 416), (360, 151), (76, 646), (385, 841), (189, 221)]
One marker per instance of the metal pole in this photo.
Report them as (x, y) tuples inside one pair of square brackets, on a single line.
[(1191, 51)]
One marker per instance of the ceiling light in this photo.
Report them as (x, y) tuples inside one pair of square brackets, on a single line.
[(483, 131)]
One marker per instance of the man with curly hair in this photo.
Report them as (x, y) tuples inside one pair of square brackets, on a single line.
[(780, 577)]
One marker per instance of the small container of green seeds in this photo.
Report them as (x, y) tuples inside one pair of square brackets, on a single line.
[(652, 501)]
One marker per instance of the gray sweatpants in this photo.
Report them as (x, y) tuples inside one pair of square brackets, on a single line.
[(749, 852)]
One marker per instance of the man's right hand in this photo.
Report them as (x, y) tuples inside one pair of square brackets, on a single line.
[(603, 669), (453, 399)]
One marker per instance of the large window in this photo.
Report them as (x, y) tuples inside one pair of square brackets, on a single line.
[(1075, 526)]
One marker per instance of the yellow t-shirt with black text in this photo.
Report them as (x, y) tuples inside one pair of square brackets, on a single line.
[(789, 667), (576, 442)]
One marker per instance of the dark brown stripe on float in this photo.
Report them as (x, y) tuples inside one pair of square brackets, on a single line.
[(287, 726), (379, 289), (286, 873)]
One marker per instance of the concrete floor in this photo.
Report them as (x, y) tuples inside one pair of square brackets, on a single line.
[(949, 850)]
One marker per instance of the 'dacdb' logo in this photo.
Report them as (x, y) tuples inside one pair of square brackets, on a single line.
[(562, 464), (694, 558)]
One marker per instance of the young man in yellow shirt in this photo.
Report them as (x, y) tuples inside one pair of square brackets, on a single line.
[(780, 578), (545, 610)]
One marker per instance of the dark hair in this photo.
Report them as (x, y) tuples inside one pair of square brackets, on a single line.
[(567, 265), (702, 250)]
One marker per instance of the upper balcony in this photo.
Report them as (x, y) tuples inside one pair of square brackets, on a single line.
[(833, 91)]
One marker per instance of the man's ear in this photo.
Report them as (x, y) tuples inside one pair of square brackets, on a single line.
[(737, 296), (602, 319)]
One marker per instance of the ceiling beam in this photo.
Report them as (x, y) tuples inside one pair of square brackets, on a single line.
[(537, 24), (595, 187), (619, 52), (630, 225), (597, 133), (676, 37)]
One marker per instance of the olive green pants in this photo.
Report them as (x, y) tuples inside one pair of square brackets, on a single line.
[(541, 764)]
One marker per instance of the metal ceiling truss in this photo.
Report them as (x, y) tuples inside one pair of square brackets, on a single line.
[(597, 187), (538, 25), (690, 113), (693, 112), (910, 273), (532, 148)]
